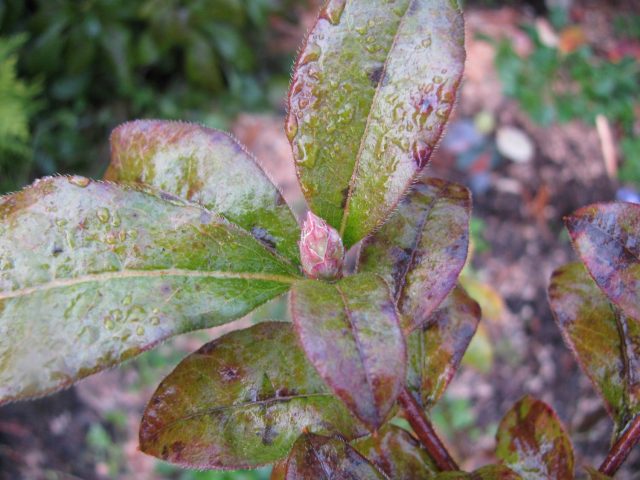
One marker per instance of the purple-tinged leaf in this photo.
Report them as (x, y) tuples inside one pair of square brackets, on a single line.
[(395, 452), (607, 238), (421, 250), (436, 350), (92, 274), (372, 90), (350, 333), (604, 341), (533, 443), (491, 472), (208, 167), (241, 401), (323, 458)]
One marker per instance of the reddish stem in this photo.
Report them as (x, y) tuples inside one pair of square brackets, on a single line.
[(425, 432), (620, 450)]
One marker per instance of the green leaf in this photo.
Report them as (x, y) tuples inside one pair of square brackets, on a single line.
[(372, 89), (350, 333), (606, 236), (604, 341), (323, 458), (92, 274), (436, 350), (208, 167), (421, 250), (395, 452), (490, 472), (533, 443), (241, 401)]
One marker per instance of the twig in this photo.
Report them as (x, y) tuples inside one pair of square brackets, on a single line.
[(425, 432), (620, 450)]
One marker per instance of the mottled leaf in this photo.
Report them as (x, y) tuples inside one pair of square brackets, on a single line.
[(208, 167), (533, 443), (372, 90), (241, 401), (279, 470), (491, 472), (395, 452), (436, 350), (92, 274), (421, 250), (350, 333), (323, 458), (604, 341), (607, 238)]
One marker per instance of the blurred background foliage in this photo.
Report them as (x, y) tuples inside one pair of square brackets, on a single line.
[(75, 69)]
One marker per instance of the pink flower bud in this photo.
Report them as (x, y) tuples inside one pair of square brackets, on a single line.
[(321, 249)]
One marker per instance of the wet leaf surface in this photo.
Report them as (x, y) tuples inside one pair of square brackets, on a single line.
[(241, 401), (397, 453), (372, 90), (350, 333), (607, 238), (422, 248), (92, 274), (208, 167), (491, 472), (436, 350), (323, 458), (533, 443), (605, 342)]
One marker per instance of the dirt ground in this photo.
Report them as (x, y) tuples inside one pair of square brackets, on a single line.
[(521, 206)]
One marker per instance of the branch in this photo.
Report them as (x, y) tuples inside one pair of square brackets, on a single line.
[(425, 432), (621, 449)]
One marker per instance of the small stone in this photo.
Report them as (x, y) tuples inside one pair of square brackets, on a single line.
[(515, 145)]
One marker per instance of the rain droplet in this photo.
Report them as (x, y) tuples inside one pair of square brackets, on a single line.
[(103, 215), (127, 300), (140, 330), (111, 238), (155, 321), (291, 127), (133, 234), (108, 323), (311, 54), (426, 43), (79, 181), (116, 221), (61, 222), (333, 11), (122, 235), (116, 314), (438, 79)]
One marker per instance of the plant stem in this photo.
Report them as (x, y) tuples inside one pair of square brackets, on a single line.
[(425, 432), (620, 450)]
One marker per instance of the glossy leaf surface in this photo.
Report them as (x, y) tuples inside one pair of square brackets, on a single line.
[(491, 472), (241, 401), (422, 248), (208, 167), (436, 350), (607, 238), (372, 90), (395, 452), (93, 273), (605, 342), (323, 458), (532, 442), (350, 333)]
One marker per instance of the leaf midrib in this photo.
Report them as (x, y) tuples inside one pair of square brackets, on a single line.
[(128, 274)]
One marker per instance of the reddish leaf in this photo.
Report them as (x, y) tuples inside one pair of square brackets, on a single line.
[(436, 350), (594, 474), (533, 443), (323, 458), (421, 250), (372, 90), (350, 333), (395, 452), (607, 238), (208, 167), (240, 402), (605, 342)]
